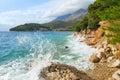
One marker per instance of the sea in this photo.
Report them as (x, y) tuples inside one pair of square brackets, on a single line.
[(18, 49)]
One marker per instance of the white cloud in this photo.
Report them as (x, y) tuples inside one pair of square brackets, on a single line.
[(42, 13)]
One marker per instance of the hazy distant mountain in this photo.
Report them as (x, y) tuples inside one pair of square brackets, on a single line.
[(63, 17), (66, 22), (74, 16)]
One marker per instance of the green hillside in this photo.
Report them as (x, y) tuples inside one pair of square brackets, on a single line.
[(103, 10), (56, 25), (30, 27)]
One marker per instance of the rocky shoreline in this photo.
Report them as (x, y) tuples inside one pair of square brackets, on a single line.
[(106, 60)]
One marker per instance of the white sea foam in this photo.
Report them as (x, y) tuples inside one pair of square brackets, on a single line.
[(22, 39), (17, 70), (78, 47), (41, 52)]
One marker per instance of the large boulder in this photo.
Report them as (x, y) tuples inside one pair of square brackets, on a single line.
[(94, 58), (116, 75), (57, 71)]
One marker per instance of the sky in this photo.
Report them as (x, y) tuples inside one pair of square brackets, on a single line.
[(16, 12)]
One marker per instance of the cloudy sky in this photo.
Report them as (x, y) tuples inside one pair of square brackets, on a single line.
[(16, 12)]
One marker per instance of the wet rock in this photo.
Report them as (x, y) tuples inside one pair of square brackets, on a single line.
[(116, 75), (66, 47), (32, 64), (94, 58), (115, 64)]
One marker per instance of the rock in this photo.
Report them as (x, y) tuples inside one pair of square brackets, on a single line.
[(108, 55), (111, 79), (113, 48), (115, 64), (108, 52), (101, 50), (32, 64), (117, 54), (103, 60), (62, 72), (111, 59), (94, 58), (101, 55), (76, 34), (98, 34), (108, 49), (66, 47), (116, 75)]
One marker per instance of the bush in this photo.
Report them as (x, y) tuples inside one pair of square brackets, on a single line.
[(81, 25), (114, 32), (93, 21)]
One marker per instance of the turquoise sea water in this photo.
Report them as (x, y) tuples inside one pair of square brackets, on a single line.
[(18, 49)]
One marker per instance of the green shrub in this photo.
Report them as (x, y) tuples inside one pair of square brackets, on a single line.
[(114, 32), (93, 21), (81, 25)]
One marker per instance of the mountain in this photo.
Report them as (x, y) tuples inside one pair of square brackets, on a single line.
[(66, 22), (79, 14), (63, 17)]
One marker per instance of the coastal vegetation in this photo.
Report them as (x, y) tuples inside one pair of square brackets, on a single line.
[(102, 10), (30, 27), (114, 32), (56, 25), (61, 25)]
